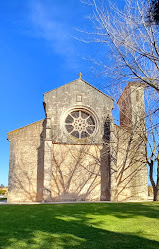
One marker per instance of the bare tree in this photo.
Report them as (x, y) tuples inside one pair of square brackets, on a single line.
[(152, 122), (130, 42), (133, 42), (153, 162)]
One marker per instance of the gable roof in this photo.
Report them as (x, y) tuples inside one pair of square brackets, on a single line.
[(8, 133), (85, 83)]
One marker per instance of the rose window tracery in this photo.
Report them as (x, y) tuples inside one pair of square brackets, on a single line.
[(80, 124)]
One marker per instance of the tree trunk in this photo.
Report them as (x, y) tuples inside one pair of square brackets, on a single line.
[(155, 193), (157, 183), (154, 186), (157, 197)]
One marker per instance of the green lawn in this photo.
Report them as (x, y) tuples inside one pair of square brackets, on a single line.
[(85, 225)]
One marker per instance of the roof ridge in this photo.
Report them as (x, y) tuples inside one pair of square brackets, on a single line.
[(84, 82), (25, 126)]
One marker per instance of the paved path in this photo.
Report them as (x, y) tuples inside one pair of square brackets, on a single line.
[(35, 203), (4, 202)]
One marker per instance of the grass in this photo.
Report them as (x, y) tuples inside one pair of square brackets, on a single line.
[(80, 225)]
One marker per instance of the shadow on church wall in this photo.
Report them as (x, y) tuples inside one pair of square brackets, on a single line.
[(131, 177), (40, 164), (23, 187), (75, 172), (84, 172)]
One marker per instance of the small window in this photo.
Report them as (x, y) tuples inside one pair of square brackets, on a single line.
[(137, 95)]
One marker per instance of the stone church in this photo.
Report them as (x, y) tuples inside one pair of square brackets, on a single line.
[(77, 153)]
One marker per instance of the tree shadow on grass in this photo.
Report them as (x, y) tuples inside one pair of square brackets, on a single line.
[(69, 226), (124, 210)]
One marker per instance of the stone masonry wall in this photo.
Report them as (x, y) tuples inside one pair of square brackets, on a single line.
[(58, 103), (47, 164), (26, 163), (131, 166), (131, 144), (76, 172), (76, 94)]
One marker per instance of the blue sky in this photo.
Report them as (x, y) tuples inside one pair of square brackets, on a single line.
[(38, 52)]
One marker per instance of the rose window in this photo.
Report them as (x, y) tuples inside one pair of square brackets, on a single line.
[(80, 124)]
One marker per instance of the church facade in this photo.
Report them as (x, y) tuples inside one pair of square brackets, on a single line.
[(77, 153)]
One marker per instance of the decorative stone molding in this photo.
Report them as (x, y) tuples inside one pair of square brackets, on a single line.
[(79, 123)]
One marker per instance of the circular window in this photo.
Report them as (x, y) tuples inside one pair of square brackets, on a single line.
[(80, 124)]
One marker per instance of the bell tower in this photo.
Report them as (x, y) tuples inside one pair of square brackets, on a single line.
[(131, 105), (132, 166)]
